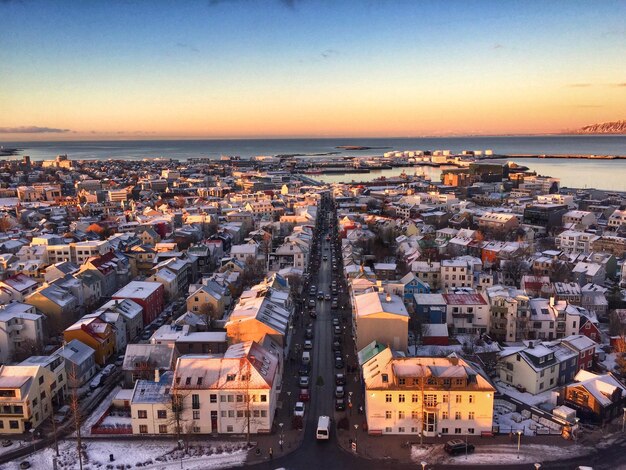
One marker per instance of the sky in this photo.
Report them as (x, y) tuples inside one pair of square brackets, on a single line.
[(303, 68)]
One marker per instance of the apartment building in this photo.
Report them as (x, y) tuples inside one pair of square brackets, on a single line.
[(21, 329), (456, 273), (380, 317), (429, 395), (233, 393)]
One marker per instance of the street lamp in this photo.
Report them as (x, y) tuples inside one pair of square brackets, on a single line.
[(576, 420), (32, 431), (624, 419), (280, 442), (289, 400), (356, 426), (519, 440), (423, 464)]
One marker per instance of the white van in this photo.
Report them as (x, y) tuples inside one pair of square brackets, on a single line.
[(323, 428), (306, 357)]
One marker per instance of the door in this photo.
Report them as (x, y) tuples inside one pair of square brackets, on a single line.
[(430, 423), (213, 421)]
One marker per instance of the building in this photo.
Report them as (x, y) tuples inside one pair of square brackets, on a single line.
[(58, 304), (80, 362), (533, 369), (429, 395), (617, 219), (456, 273), (95, 333), (498, 222), (380, 317), (147, 294), (596, 397), (467, 313), (21, 330), (547, 215), (233, 393)]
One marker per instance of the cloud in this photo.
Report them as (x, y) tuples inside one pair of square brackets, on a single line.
[(31, 130), (588, 106), (189, 47), (618, 85), (578, 85), (498, 46), (328, 53)]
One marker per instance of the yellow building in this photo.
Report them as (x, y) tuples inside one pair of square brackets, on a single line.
[(95, 333), (380, 317), (429, 395)]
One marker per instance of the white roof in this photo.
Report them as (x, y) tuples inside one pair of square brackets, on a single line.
[(138, 289), (374, 303)]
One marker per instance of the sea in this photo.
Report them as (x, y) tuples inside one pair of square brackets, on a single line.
[(601, 174)]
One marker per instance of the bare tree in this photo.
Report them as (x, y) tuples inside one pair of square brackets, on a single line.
[(207, 313), (27, 347), (77, 416), (514, 269), (244, 407), (176, 406)]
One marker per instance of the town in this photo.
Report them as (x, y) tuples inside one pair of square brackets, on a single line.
[(212, 313)]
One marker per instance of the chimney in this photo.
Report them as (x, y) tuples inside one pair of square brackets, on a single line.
[(157, 375), (551, 301), (388, 297), (531, 345)]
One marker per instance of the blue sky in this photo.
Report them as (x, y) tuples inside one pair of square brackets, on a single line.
[(243, 68)]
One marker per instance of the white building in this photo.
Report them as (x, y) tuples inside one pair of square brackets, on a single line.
[(20, 324), (432, 395)]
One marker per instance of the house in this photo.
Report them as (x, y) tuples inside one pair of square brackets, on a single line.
[(149, 295), (17, 287), (58, 304), (231, 393), (385, 271), (25, 397), (380, 317), (498, 222), (509, 310), (141, 360), (21, 330), (429, 395), (247, 252), (131, 313), (95, 333), (186, 341), (467, 313), (586, 273), (596, 397), (584, 347), (412, 285), (428, 272), (617, 219), (579, 219), (80, 362), (533, 368), (550, 319), (456, 273), (568, 291), (430, 308), (435, 334), (205, 301)]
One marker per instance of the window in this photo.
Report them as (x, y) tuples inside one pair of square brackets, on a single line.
[(231, 413), (457, 430), (213, 398), (162, 428), (444, 415), (161, 414), (401, 415), (222, 398), (40, 380), (388, 430), (239, 398), (229, 428), (471, 398), (445, 398), (143, 429), (415, 414), (541, 385), (256, 413), (430, 400), (385, 378), (457, 415), (230, 377), (263, 413), (414, 398), (388, 397), (239, 413), (401, 398), (470, 430), (13, 424), (263, 398), (471, 415), (142, 414), (195, 401), (414, 430), (444, 430), (223, 414), (196, 415), (402, 381), (457, 399), (400, 429), (543, 372), (387, 414), (199, 381)]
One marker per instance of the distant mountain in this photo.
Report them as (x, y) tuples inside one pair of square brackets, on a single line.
[(615, 127)]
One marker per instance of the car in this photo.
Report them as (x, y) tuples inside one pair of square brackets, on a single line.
[(337, 339), (308, 344), (334, 305), (303, 382), (335, 321), (96, 382), (336, 346), (108, 370), (340, 404), (313, 313), (313, 290), (7, 443), (325, 258), (298, 410), (337, 330), (146, 335), (327, 297), (334, 283), (304, 370), (457, 446), (120, 360), (308, 334), (320, 296), (312, 303), (340, 379), (24, 464), (340, 392), (304, 394), (339, 363)]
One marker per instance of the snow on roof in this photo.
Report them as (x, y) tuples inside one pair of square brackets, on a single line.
[(138, 290), (18, 310), (374, 303), (579, 342), (464, 299), (600, 386), (20, 282), (429, 299), (435, 330), (75, 351)]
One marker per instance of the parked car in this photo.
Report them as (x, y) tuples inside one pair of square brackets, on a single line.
[(95, 382), (308, 344), (320, 295), (298, 410), (336, 346), (340, 404), (7, 442), (327, 297), (340, 379), (335, 321), (337, 330), (24, 464), (312, 304), (304, 394), (108, 370), (313, 313), (308, 334), (339, 363), (457, 446), (304, 382), (340, 392)]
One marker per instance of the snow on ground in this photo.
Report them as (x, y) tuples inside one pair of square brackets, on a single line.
[(98, 412), (116, 421), (145, 454), (499, 454), (513, 422), (17, 443), (524, 397), (609, 362)]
